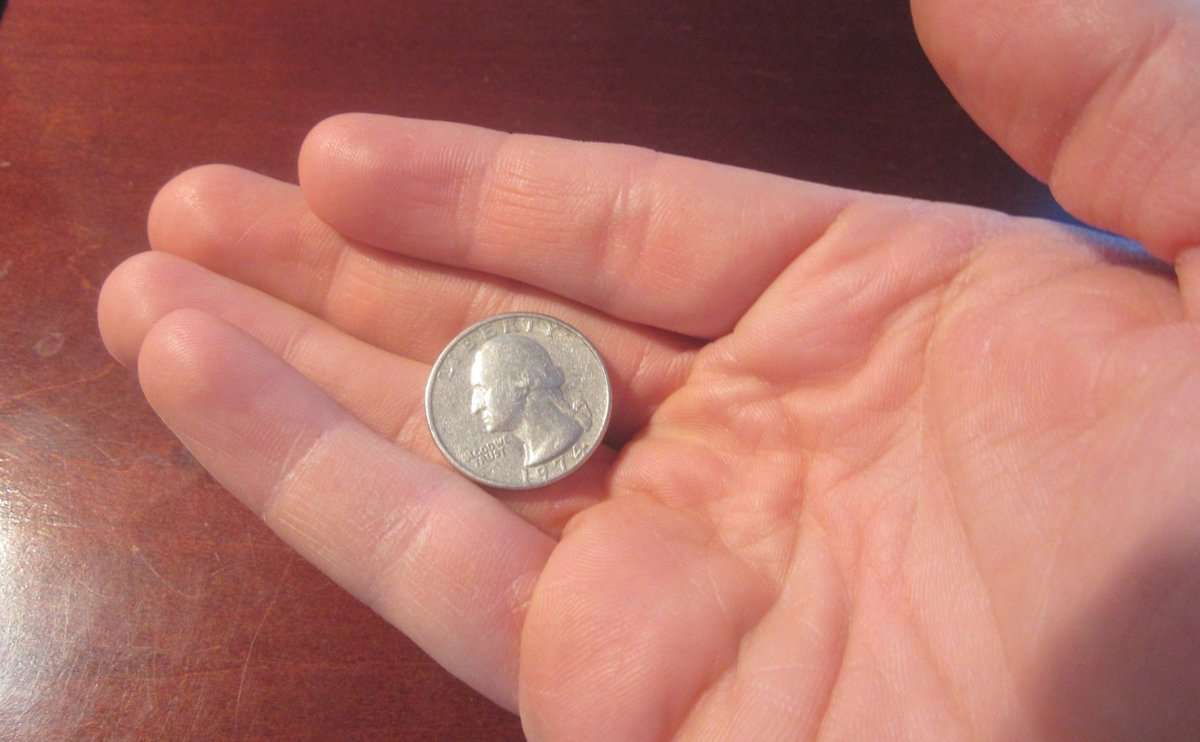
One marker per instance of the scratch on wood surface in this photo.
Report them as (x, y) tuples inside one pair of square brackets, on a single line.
[(237, 703), (96, 376), (142, 557), (5, 267), (112, 461), (13, 436), (196, 717)]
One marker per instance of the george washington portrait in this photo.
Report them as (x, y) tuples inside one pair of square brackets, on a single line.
[(517, 388)]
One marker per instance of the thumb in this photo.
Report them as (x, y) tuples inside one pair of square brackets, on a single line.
[(1099, 98)]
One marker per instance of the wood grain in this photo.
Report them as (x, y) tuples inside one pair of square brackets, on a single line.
[(137, 600)]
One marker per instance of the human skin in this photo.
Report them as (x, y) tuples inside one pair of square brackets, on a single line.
[(878, 469)]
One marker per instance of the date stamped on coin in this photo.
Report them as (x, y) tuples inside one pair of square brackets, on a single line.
[(518, 400)]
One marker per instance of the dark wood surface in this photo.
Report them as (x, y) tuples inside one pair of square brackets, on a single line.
[(137, 600)]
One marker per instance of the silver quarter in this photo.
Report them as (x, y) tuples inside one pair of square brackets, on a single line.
[(518, 401)]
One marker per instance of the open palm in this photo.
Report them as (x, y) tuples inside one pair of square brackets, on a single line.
[(878, 469)]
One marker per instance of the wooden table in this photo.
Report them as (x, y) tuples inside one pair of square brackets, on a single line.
[(138, 600)]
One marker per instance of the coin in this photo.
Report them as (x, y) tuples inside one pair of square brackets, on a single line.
[(518, 401)]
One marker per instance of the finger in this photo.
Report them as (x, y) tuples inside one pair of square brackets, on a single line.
[(1099, 98), (434, 555), (259, 231), (1187, 268), (383, 390), (668, 241)]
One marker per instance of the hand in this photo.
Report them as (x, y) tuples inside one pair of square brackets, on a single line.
[(878, 469)]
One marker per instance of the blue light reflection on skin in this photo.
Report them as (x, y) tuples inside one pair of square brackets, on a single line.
[(1043, 205)]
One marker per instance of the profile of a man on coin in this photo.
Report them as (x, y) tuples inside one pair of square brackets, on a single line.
[(517, 388)]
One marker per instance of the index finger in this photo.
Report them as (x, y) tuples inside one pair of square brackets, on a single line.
[(667, 241)]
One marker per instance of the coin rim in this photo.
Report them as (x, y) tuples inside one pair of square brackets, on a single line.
[(462, 468)]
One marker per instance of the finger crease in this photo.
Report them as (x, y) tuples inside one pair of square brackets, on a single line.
[(625, 229)]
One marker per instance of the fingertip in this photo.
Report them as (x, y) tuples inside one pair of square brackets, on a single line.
[(355, 169), (195, 362), (361, 141), (126, 308), (327, 135), (205, 211), (108, 305), (177, 358), (194, 366), (229, 399), (138, 293), (233, 403), (182, 212), (335, 145)]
